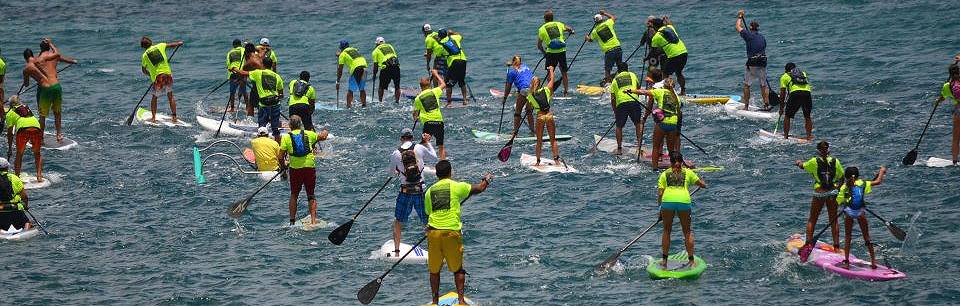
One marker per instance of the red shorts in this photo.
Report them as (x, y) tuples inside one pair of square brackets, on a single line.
[(163, 85), (305, 178), (31, 134)]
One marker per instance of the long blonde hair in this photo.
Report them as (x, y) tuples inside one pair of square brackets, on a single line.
[(534, 84)]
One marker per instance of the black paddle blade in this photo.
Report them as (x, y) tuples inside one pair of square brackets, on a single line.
[(504, 154), (607, 264), (896, 231), (338, 235), (910, 158), (238, 207), (369, 291)]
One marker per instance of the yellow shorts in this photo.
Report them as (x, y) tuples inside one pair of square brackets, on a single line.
[(444, 245)]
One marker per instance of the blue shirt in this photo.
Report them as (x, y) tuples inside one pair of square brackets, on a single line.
[(756, 44), (520, 78)]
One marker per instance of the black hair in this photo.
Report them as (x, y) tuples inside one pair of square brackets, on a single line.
[(27, 53), (548, 16), (656, 74), (145, 42), (675, 157), (304, 75), (267, 62), (754, 25), (236, 42), (657, 23), (44, 46), (443, 169), (851, 172), (789, 66), (823, 144), (622, 66), (248, 48), (954, 71)]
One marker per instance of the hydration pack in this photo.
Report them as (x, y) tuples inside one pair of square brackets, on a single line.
[(6, 188), (553, 31), (856, 197), (300, 88), (409, 160), (451, 47), (23, 111), (670, 35), (798, 77), (541, 97), (826, 172), (300, 143)]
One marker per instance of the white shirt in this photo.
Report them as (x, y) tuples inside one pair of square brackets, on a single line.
[(421, 151)]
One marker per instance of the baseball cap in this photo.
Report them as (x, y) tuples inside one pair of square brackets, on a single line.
[(597, 18), (426, 27), (263, 130), (264, 41), (344, 44), (406, 132), (379, 39)]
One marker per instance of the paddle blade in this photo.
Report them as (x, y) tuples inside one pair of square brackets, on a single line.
[(607, 264), (238, 207), (504, 154), (805, 251), (910, 158), (896, 231), (338, 235), (369, 291)]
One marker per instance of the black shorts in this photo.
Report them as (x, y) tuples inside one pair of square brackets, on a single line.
[(557, 60), (389, 73), (629, 109), (799, 99), (675, 65), (435, 129), (611, 58), (456, 73), (254, 95), (305, 112), (15, 218)]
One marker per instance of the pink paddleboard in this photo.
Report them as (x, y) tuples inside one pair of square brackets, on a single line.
[(825, 257)]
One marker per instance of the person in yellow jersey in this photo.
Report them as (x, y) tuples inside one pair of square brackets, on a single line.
[(300, 145), (667, 39), (385, 60), (553, 45), (269, 88), (13, 200), (951, 90), (267, 51), (433, 50), (238, 85), (852, 198), (794, 82), (266, 150), (49, 92), (664, 104), (442, 203), (21, 121), (625, 104), (673, 197), (606, 37), (303, 99), (450, 43), (154, 63), (426, 108), (356, 66), (827, 173), (541, 99)]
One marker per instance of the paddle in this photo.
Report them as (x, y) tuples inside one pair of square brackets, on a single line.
[(340, 233), (538, 63), (911, 156), (471, 92), (644, 85), (37, 222), (225, 107), (646, 30), (504, 154), (612, 260), (22, 90), (594, 149), (570, 66), (807, 247), (134, 112), (895, 230), (238, 207), (681, 133)]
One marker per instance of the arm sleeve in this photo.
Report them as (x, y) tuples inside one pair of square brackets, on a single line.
[(692, 177), (784, 81), (511, 76), (395, 163), (662, 181), (425, 151), (744, 34), (811, 166)]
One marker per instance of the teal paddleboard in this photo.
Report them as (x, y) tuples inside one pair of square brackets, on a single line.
[(676, 267), (488, 136)]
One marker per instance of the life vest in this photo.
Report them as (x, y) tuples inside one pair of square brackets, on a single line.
[(826, 172)]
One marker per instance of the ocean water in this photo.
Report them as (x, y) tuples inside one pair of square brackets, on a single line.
[(129, 225)]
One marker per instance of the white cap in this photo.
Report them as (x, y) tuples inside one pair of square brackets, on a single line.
[(263, 130), (426, 27), (406, 145), (597, 18), (379, 39), (4, 164), (264, 41)]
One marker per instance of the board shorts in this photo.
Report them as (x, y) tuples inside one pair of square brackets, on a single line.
[(666, 127), (444, 245), (49, 97), (305, 178), (611, 58), (435, 129), (406, 203), (676, 207), (440, 63), (356, 81), (32, 135), (853, 213), (675, 64), (755, 72), (457, 73), (163, 85), (388, 74), (270, 115), (799, 99), (305, 111), (543, 116), (238, 82), (633, 110), (557, 60), (16, 218), (254, 95)]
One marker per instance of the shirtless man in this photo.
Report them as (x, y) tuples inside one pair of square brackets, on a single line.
[(43, 69), (252, 60)]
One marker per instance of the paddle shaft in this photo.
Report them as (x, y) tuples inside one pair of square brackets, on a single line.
[(896, 231), (824, 230), (373, 197), (538, 64), (624, 248), (603, 136), (638, 48), (643, 84), (580, 48), (224, 116), (515, 132), (681, 133), (134, 112), (37, 222), (241, 207), (937, 104)]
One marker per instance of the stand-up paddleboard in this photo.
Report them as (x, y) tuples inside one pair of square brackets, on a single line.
[(546, 165), (824, 256), (50, 142), (497, 93), (450, 299), (229, 128), (143, 115), (709, 99), (327, 106), (591, 90), (411, 94), (939, 162), (490, 136), (30, 181), (735, 109), (305, 225), (778, 137), (677, 267), (418, 256), (18, 234), (630, 151)]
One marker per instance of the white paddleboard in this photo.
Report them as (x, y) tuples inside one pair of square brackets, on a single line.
[(418, 256), (143, 115), (305, 225), (50, 142), (30, 181), (546, 165), (629, 150), (735, 109), (778, 137), (16, 234), (939, 162)]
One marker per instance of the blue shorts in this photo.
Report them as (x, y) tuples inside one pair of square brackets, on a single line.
[(676, 207), (611, 58), (355, 85), (853, 213), (270, 115), (405, 205), (666, 127), (235, 83)]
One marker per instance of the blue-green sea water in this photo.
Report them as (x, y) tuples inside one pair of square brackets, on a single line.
[(129, 225)]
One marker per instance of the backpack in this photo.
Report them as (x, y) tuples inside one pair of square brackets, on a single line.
[(553, 31), (826, 172), (856, 195), (797, 76), (541, 97), (451, 47), (300, 143), (670, 35), (411, 170), (300, 88), (23, 111)]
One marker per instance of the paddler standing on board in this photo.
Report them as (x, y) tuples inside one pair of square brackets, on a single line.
[(49, 93), (252, 60), (154, 62), (669, 41), (626, 104), (673, 196), (553, 45), (386, 62), (456, 58), (426, 108), (852, 197), (407, 161), (951, 91), (267, 52), (756, 67), (606, 37), (519, 75), (21, 121), (269, 88), (434, 50), (300, 144), (444, 239), (665, 106), (14, 204), (238, 85), (541, 99), (356, 67), (827, 175)]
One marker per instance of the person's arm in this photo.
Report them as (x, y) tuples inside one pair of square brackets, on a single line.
[(395, 164), (336, 83), (484, 183), (311, 96), (506, 91), (659, 196), (568, 29), (425, 149), (701, 183), (175, 44), (373, 57), (426, 56), (739, 21), (416, 114), (550, 77), (605, 13), (879, 178), (25, 199), (613, 98), (540, 45), (26, 77), (440, 83), (799, 164), (323, 135)]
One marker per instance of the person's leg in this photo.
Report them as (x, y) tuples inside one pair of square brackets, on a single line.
[(380, 86), (673, 141), (563, 73), (832, 211), (349, 98), (21, 146), (460, 279), (435, 287), (463, 91), (153, 109), (539, 146), (764, 86), (807, 105), (847, 229), (815, 206), (173, 102), (311, 186), (401, 214), (434, 262), (296, 183), (865, 230), (57, 111), (233, 94), (449, 91), (363, 88), (249, 96), (517, 109), (552, 130), (439, 139), (620, 119), (687, 235), (665, 238), (955, 148), (396, 88), (680, 79), (657, 146), (747, 76), (531, 118), (35, 141)]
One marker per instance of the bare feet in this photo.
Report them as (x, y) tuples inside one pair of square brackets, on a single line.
[(618, 151), (59, 137)]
